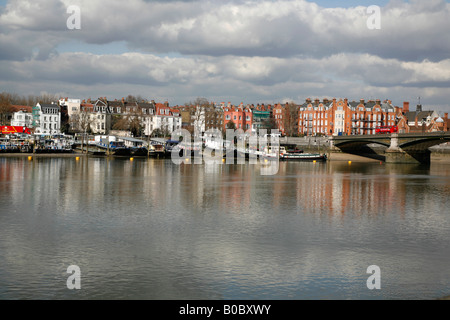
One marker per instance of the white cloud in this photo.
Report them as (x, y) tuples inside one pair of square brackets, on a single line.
[(243, 49)]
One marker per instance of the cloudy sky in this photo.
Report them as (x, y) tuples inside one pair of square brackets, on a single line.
[(228, 50)]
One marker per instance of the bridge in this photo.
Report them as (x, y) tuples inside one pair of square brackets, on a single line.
[(401, 147)]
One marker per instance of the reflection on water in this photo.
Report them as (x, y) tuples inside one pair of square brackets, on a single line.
[(150, 229)]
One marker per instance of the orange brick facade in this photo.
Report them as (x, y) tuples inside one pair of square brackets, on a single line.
[(343, 117)]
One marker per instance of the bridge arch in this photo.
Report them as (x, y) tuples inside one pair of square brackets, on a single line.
[(360, 143), (424, 144)]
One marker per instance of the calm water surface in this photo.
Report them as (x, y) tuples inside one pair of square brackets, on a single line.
[(150, 229)]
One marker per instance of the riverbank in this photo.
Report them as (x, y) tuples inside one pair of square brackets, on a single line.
[(438, 155), (42, 155)]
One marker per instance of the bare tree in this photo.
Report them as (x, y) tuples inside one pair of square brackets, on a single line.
[(231, 125), (213, 118), (290, 119), (131, 122), (5, 109), (81, 122)]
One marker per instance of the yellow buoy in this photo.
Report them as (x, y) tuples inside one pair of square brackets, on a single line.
[(77, 158), (223, 160), (30, 158), (314, 161), (187, 159), (349, 162), (131, 159)]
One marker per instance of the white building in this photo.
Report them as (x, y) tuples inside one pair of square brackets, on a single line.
[(73, 105), (47, 118), (22, 119), (339, 120), (164, 119)]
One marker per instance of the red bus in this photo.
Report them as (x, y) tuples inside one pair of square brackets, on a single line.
[(14, 129), (386, 129)]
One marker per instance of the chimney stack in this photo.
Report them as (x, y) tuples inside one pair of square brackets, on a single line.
[(419, 108), (362, 101), (405, 106)]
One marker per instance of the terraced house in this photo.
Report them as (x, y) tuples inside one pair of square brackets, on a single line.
[(343, 117), (241, 117)]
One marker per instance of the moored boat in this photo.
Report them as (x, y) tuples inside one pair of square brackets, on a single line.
[(303, 156), (296, 154), (139, 152)]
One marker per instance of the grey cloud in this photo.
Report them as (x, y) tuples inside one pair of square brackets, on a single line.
[(410, 31), (229, 75), (237, 49)]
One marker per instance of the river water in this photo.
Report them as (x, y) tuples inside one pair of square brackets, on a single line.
[(151, 229)]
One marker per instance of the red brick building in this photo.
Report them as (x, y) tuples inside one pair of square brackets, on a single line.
[(241, 116), (343, 117)]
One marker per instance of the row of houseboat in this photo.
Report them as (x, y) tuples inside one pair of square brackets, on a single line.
[(154, 149)]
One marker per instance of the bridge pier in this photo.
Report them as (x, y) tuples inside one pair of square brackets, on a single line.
[(395, 154), (414, 157)]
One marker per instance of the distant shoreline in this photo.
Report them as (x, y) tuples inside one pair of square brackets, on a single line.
[(42, 155), (437, 156)]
